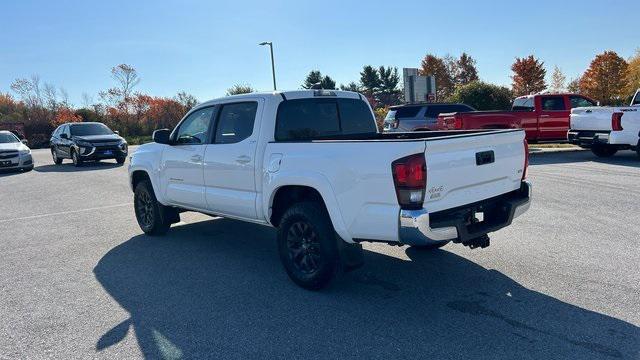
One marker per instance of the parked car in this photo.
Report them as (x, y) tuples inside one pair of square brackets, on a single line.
[(544, 117), (605, 130), (14, 153), (313, 165), (88, 141), (419, 117)]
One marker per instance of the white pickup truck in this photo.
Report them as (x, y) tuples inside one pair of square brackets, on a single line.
[(312, 164), (605, 130)]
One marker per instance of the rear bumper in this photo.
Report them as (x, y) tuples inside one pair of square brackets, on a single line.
[(590, 138), (419, 227)]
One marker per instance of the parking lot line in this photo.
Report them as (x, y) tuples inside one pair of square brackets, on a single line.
[(64, 212)]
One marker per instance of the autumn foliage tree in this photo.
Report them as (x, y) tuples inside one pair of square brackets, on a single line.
[(528, 76), (633, 74), (606, 79), (557, 80), (437, 67), (465, 70)]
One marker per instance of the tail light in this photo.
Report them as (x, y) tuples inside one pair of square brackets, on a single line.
[(526, 159), (616, 121), (457, 123), (410, 180)]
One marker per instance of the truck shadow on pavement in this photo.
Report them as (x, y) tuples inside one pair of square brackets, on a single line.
[(625, 158), (89, 166), (216, 289)]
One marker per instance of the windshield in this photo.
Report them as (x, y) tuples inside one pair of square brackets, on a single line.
[(90, 129), (8, 138), (636, 99)]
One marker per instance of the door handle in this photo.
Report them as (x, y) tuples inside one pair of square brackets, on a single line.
[(243, 159), (544, 116), (196, 158)]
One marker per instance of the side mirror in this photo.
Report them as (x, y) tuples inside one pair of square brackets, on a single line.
[(116, 132), (24, 141), (597, 103), (64, 136), (161, 136)]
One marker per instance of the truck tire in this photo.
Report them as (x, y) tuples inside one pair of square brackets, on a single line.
[(307, 245), (153, 217), (603, 150)]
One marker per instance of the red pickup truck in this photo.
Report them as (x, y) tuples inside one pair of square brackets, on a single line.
[(544, 117)]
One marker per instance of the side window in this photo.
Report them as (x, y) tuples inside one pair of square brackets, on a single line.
[(579, 101), (305, 119), (553, 103), (235, 122), (195, 128)]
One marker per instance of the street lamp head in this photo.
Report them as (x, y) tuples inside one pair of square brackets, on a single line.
[(265, 43)]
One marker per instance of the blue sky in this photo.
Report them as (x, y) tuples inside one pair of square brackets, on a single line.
[(204, 47)]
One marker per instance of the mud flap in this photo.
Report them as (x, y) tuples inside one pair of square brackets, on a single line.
[(351, 255)]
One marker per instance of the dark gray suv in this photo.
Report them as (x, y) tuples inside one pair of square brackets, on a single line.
[(419, 117)]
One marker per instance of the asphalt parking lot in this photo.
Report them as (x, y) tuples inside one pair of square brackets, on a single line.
[(78, 279)]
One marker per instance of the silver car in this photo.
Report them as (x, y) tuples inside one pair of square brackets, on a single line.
[(14, 154), (419, 117)]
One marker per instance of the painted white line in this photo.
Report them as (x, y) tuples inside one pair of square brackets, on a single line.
[(65, 212)]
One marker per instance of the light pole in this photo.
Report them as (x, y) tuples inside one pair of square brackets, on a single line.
[(273, 66)]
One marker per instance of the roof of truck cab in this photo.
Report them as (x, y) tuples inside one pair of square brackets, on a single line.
[(290, 95)]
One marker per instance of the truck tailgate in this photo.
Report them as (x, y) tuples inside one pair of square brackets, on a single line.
[(591, 118), (463, 169)]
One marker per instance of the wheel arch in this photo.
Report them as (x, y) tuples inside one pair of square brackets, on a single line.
[(285, 194)]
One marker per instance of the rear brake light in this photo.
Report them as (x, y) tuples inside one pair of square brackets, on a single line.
[(457, 124), (616, 121), (526, 160), (410, 180)]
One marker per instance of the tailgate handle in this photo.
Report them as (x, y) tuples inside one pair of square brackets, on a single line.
[(485, 157)]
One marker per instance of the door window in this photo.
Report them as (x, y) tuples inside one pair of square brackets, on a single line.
[(553, 103), (579, 101), (235, 122), (195, 128)]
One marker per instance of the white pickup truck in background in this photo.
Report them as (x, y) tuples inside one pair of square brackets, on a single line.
[(312, 164), (605, 130)]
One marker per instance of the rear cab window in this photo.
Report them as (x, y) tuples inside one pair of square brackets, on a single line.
[(523, 104), (318, 118), (579, 101)]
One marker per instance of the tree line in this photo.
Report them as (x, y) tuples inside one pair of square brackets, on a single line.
[(41, 106), (609, 79)]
